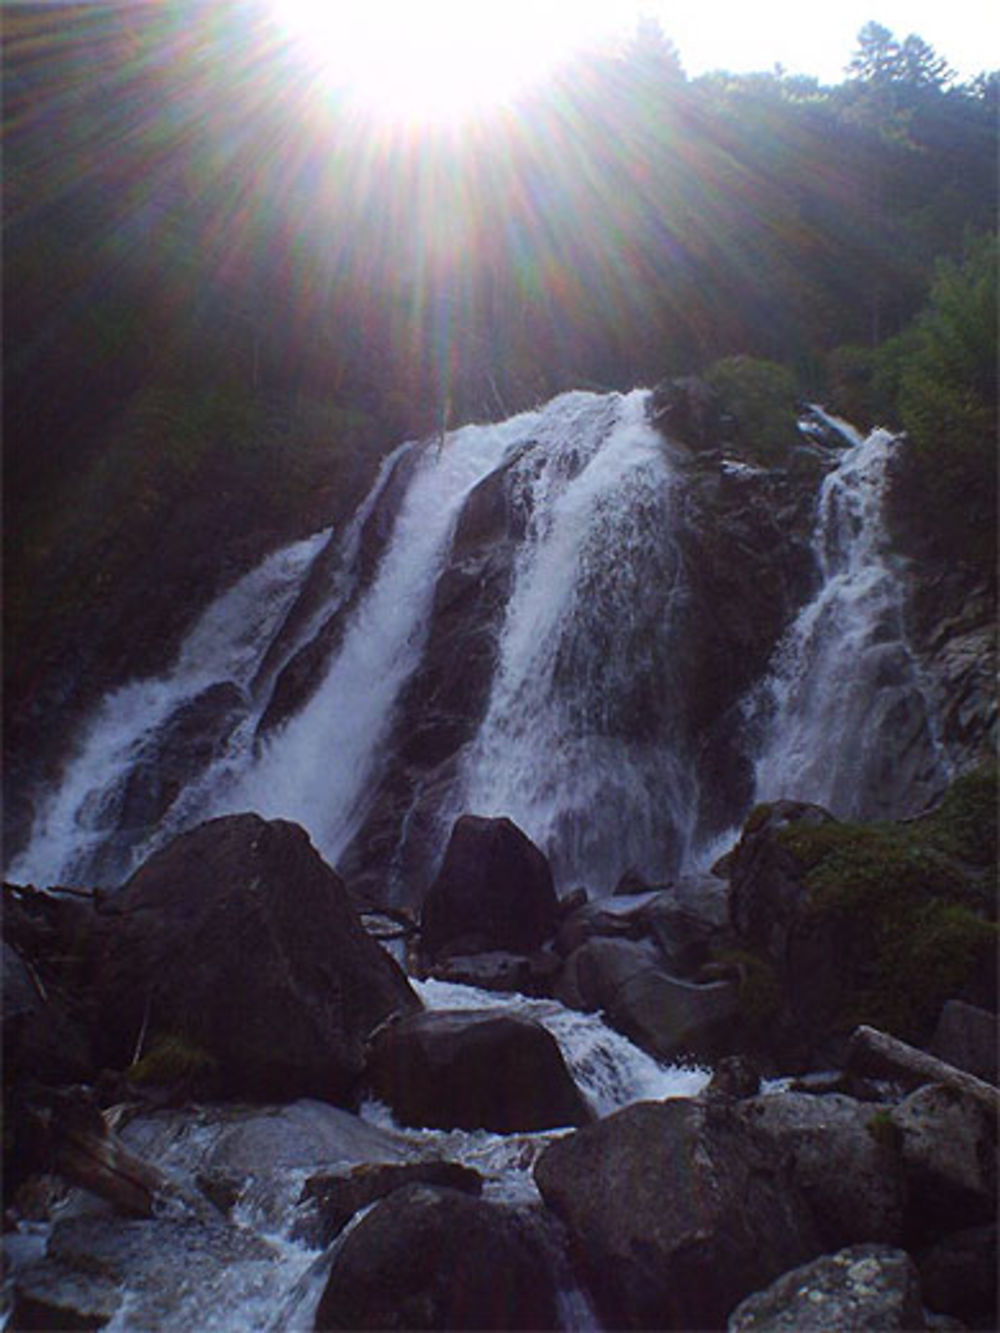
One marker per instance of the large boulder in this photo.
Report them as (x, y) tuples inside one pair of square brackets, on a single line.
[(329, 1201), (429, 1258), (676, 1210), (474, 1069), (967, 1036), (960, 1276), (877, 923), (664, 1015), (494, 891), (239, 940), (842, 1160), (948, 1143), (863, 1287)]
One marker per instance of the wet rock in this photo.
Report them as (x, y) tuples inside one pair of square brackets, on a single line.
[(234, 1142), (474, 1069), (959, 1276), (239, 939), (966, 1036), (687, 410), (663, 1014), (177, 752), (429, 1258), (501, 971), (395, 854), (735, 1077), (842, 1160), (332, 1200), (766, 879), (494, 891), (51, 1296), (948, 1144), (676, 1210), (168, 1271), (863, 1287)]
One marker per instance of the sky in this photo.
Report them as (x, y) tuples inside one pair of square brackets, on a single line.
[(820, 39), (441, 57)]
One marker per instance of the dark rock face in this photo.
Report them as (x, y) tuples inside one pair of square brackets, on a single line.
[(429, 1258), (176, 753), (851, 1178), (865, 1286), (334, 1199), (967, 1037), (303, 671), (474, 1069), (444, 701), (948, 1144), (687, 410), (766, 886), (959, 1276), (501, 971), (238, 938), (494, 891), (676, 1210), (661, 1013)]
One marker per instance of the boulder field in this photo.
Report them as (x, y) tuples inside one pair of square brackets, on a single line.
[(192, 1050)]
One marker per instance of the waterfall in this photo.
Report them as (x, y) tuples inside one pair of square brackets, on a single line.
[(78, 818), (844, 720), (581, 745), (582, 733)]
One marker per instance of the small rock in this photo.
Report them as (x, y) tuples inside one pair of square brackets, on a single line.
[(863, 1287)]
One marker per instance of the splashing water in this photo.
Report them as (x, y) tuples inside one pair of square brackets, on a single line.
[(224, 645), (845, 722), (581, 745)]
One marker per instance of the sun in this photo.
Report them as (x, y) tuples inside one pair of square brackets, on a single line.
[(436, 60)]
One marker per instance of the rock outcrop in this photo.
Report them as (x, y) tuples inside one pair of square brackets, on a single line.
[(494, 891), (676, 1211), (864, 1286), (474, 1069), (238, 939), (430, 1258)]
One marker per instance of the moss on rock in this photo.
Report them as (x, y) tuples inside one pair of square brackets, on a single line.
[(910, 902)]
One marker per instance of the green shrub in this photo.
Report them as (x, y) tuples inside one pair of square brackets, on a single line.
[(905, 902), (760, 397)]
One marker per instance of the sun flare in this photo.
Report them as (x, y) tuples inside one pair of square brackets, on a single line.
[(437, 60)]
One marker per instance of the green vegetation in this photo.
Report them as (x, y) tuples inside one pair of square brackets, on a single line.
[(907, 896), (885, 1131), (759, 988), (759, 397), (173, 1059)]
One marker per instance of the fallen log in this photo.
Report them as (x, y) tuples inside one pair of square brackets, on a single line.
[(874, 1054)]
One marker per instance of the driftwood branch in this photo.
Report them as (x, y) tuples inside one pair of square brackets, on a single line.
[(877, 1055)]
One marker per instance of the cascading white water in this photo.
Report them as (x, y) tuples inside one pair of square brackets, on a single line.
[(321, 768), (224, 645), (580, 745), (845, 723)]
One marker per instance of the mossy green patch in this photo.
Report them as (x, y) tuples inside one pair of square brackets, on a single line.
[(910, 899), (173, 1059), (759, 988)]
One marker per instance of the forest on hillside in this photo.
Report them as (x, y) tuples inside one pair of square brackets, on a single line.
[(223, 291)]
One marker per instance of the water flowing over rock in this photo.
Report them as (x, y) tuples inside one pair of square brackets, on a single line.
[(569, 619), (846, 718), (474, 1070)]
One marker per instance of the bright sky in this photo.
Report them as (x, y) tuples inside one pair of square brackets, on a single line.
[(436, 57)]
